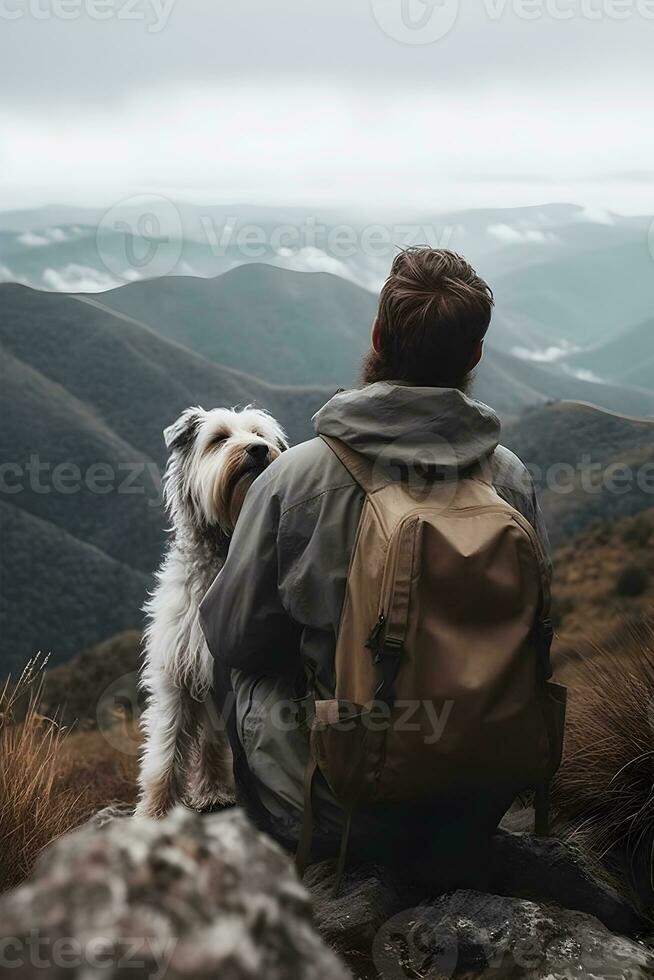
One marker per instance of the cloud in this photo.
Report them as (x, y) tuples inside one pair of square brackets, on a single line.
[(131, 275), (78, 279), (340, 42), (312, 259), (509, 235), (547, 355), (37, 239), (583, 374), (7, 275), (597, 216), (315, 145), (31, 240)]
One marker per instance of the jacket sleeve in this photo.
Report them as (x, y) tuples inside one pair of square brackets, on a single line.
[(525, 501), (514, 483), (541, 528), (242, 617)]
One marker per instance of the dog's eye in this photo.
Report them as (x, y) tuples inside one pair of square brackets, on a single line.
[(217, 438)]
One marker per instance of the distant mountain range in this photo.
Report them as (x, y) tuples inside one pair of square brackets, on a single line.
[(90, 381), (625, 359), (554, 268), (585, 298), (298, 328)]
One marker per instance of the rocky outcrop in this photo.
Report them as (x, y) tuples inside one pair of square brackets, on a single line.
[(532, 887), (469, 934), (186, 897), (192, 897)]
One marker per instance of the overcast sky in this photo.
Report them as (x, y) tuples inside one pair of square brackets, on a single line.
[(412, 103)]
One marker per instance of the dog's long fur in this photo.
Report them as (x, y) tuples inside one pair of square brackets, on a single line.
[(214, 458)]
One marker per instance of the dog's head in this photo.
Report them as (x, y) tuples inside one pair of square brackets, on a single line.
[(215, 456)]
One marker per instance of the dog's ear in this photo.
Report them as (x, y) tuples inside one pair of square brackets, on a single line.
[(181, 433)]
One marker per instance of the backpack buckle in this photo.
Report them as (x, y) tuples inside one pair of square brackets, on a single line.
[(388, 658), (391, 649)]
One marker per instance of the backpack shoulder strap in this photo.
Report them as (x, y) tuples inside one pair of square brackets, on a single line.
[(358, 466)]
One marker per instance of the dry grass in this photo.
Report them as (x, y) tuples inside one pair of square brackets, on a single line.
[(604, 791), (51, 779), (587, 571)]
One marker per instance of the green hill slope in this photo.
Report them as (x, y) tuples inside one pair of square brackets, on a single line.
[(588, 465), (287, 327), (59, 594)]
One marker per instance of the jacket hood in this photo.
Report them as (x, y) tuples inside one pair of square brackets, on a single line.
[(408, 426)]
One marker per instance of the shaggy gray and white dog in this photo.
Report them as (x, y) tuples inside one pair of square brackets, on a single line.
[(215, 456)]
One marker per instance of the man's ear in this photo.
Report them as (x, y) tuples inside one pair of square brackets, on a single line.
[(477, 355), (376, 339), (182, 432)]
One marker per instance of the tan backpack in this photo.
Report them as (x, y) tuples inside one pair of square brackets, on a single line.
[(442, 657)]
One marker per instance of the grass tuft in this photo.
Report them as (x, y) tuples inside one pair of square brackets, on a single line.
[(51, 777)]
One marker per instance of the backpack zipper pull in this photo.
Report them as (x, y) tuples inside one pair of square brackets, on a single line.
[(374, 640)]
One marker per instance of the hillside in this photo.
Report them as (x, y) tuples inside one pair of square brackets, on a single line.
[(59, 593), (605, 577), (290, 328), (507, 383), (628, 358), (84, 396), (298, 328), (575, 299), (129, 378), (87, 690), (588, 465)]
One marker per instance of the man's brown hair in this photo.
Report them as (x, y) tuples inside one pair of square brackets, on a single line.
[(433, 311)]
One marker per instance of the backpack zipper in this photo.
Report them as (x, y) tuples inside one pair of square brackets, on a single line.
[(376, 637)]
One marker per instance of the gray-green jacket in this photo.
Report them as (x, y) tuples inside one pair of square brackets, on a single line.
[(277, 601)]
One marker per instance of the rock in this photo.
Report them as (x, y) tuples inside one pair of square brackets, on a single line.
[(519, 819), (470, 934), (350, 921), (189, 897), (548, 870), (519, 866), (207, 896), (109, 814)]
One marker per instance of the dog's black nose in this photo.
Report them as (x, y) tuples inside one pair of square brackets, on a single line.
[(258, 451)]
